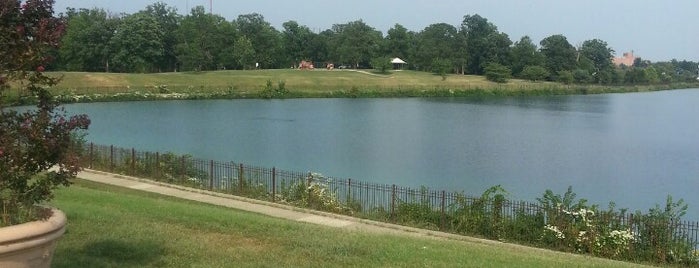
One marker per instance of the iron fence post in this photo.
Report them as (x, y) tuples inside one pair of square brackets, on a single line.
[(157, 165), (443, 218), (274, 184), (211, 175), (92, 145), (308, 186), (183, 171), (393, 201), (349, 191), (231, 170), (240, 178), (111, 158), (133, 161)]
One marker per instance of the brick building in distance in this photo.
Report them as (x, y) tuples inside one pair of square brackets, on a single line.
[(626, 59)]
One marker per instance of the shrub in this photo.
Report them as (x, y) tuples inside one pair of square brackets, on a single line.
[(313, 193), (581, 76), (657, 238), (565, 77), (417, 211), (481, 216), (497, 72), (271, 92), (535, 73), (39, 150), (573, 226), (381, 65), (441, 67)]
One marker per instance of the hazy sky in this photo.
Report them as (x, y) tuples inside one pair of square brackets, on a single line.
[(657, 30)]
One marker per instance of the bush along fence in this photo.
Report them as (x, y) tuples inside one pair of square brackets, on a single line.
[(555, 221)]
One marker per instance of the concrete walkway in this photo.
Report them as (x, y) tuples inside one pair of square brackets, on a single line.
[(266, 208)]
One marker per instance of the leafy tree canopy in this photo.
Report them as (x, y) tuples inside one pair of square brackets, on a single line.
[(497, 72), (599, 53), (437, 41), (525, 53), (560, 55), (355, 42)]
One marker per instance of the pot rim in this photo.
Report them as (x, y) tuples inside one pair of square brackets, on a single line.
[(31, 234)]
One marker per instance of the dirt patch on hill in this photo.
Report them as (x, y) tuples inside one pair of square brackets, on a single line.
[(102, 80)]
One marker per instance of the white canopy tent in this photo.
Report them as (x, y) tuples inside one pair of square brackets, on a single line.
[(398, 63)]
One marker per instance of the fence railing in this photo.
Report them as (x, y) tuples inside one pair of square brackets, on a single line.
[(658, 237)]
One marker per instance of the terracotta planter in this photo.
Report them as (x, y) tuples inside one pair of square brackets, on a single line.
[(31, 244)]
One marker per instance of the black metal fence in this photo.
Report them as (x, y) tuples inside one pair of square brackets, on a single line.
[(660, 237)]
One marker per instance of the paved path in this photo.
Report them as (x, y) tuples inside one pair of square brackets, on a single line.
[(267, 208)]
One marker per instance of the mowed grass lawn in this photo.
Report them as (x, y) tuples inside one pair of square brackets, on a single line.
[(117, 227), (253, 81)]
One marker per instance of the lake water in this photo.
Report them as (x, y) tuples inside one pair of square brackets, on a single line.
[(633, 149)]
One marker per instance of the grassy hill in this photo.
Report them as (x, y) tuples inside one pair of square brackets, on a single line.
[(290, 83), (117, 227), (295, 80)]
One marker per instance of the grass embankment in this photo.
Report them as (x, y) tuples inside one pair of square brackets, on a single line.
[(117, 227), (87, 87)]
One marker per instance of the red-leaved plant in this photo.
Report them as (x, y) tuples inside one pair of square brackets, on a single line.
[(39, 150)]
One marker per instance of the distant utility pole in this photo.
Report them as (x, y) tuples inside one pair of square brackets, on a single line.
[(211, 7)]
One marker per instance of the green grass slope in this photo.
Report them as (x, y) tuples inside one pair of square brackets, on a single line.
[(316, 83), (117, 227)]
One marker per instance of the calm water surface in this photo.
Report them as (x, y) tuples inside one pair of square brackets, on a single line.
[(633, 149)]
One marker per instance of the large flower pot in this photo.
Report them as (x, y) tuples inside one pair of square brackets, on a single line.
[(31, 244)]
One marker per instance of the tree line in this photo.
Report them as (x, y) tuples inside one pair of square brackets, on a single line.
[(157, 39)]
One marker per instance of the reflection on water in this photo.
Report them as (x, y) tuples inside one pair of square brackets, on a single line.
[(591, 103), (633, 149)]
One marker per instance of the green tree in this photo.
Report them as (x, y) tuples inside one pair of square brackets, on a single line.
[(525, 53), (381, 64), (168, 20), (399, 42), (319, 46), (204, 41), (244, 53), (497, 72), (607, 76), (500, 51), (565, 77), (86, 44), (297, 42), (266, 41), (436, 43), (640, 63), (585, 64), (137, 44), (635, 75), (685, 71), (441, 67), (652, 75), (535, 73), (355, 42), (559, 54), (599, 53), (484, 44), (581, 76), (224, 45)]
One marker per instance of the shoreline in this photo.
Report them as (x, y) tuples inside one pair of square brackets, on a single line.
[(291, 84), (352, 93)]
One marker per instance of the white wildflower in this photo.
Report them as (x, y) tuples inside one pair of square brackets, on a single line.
[(555, 230)]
